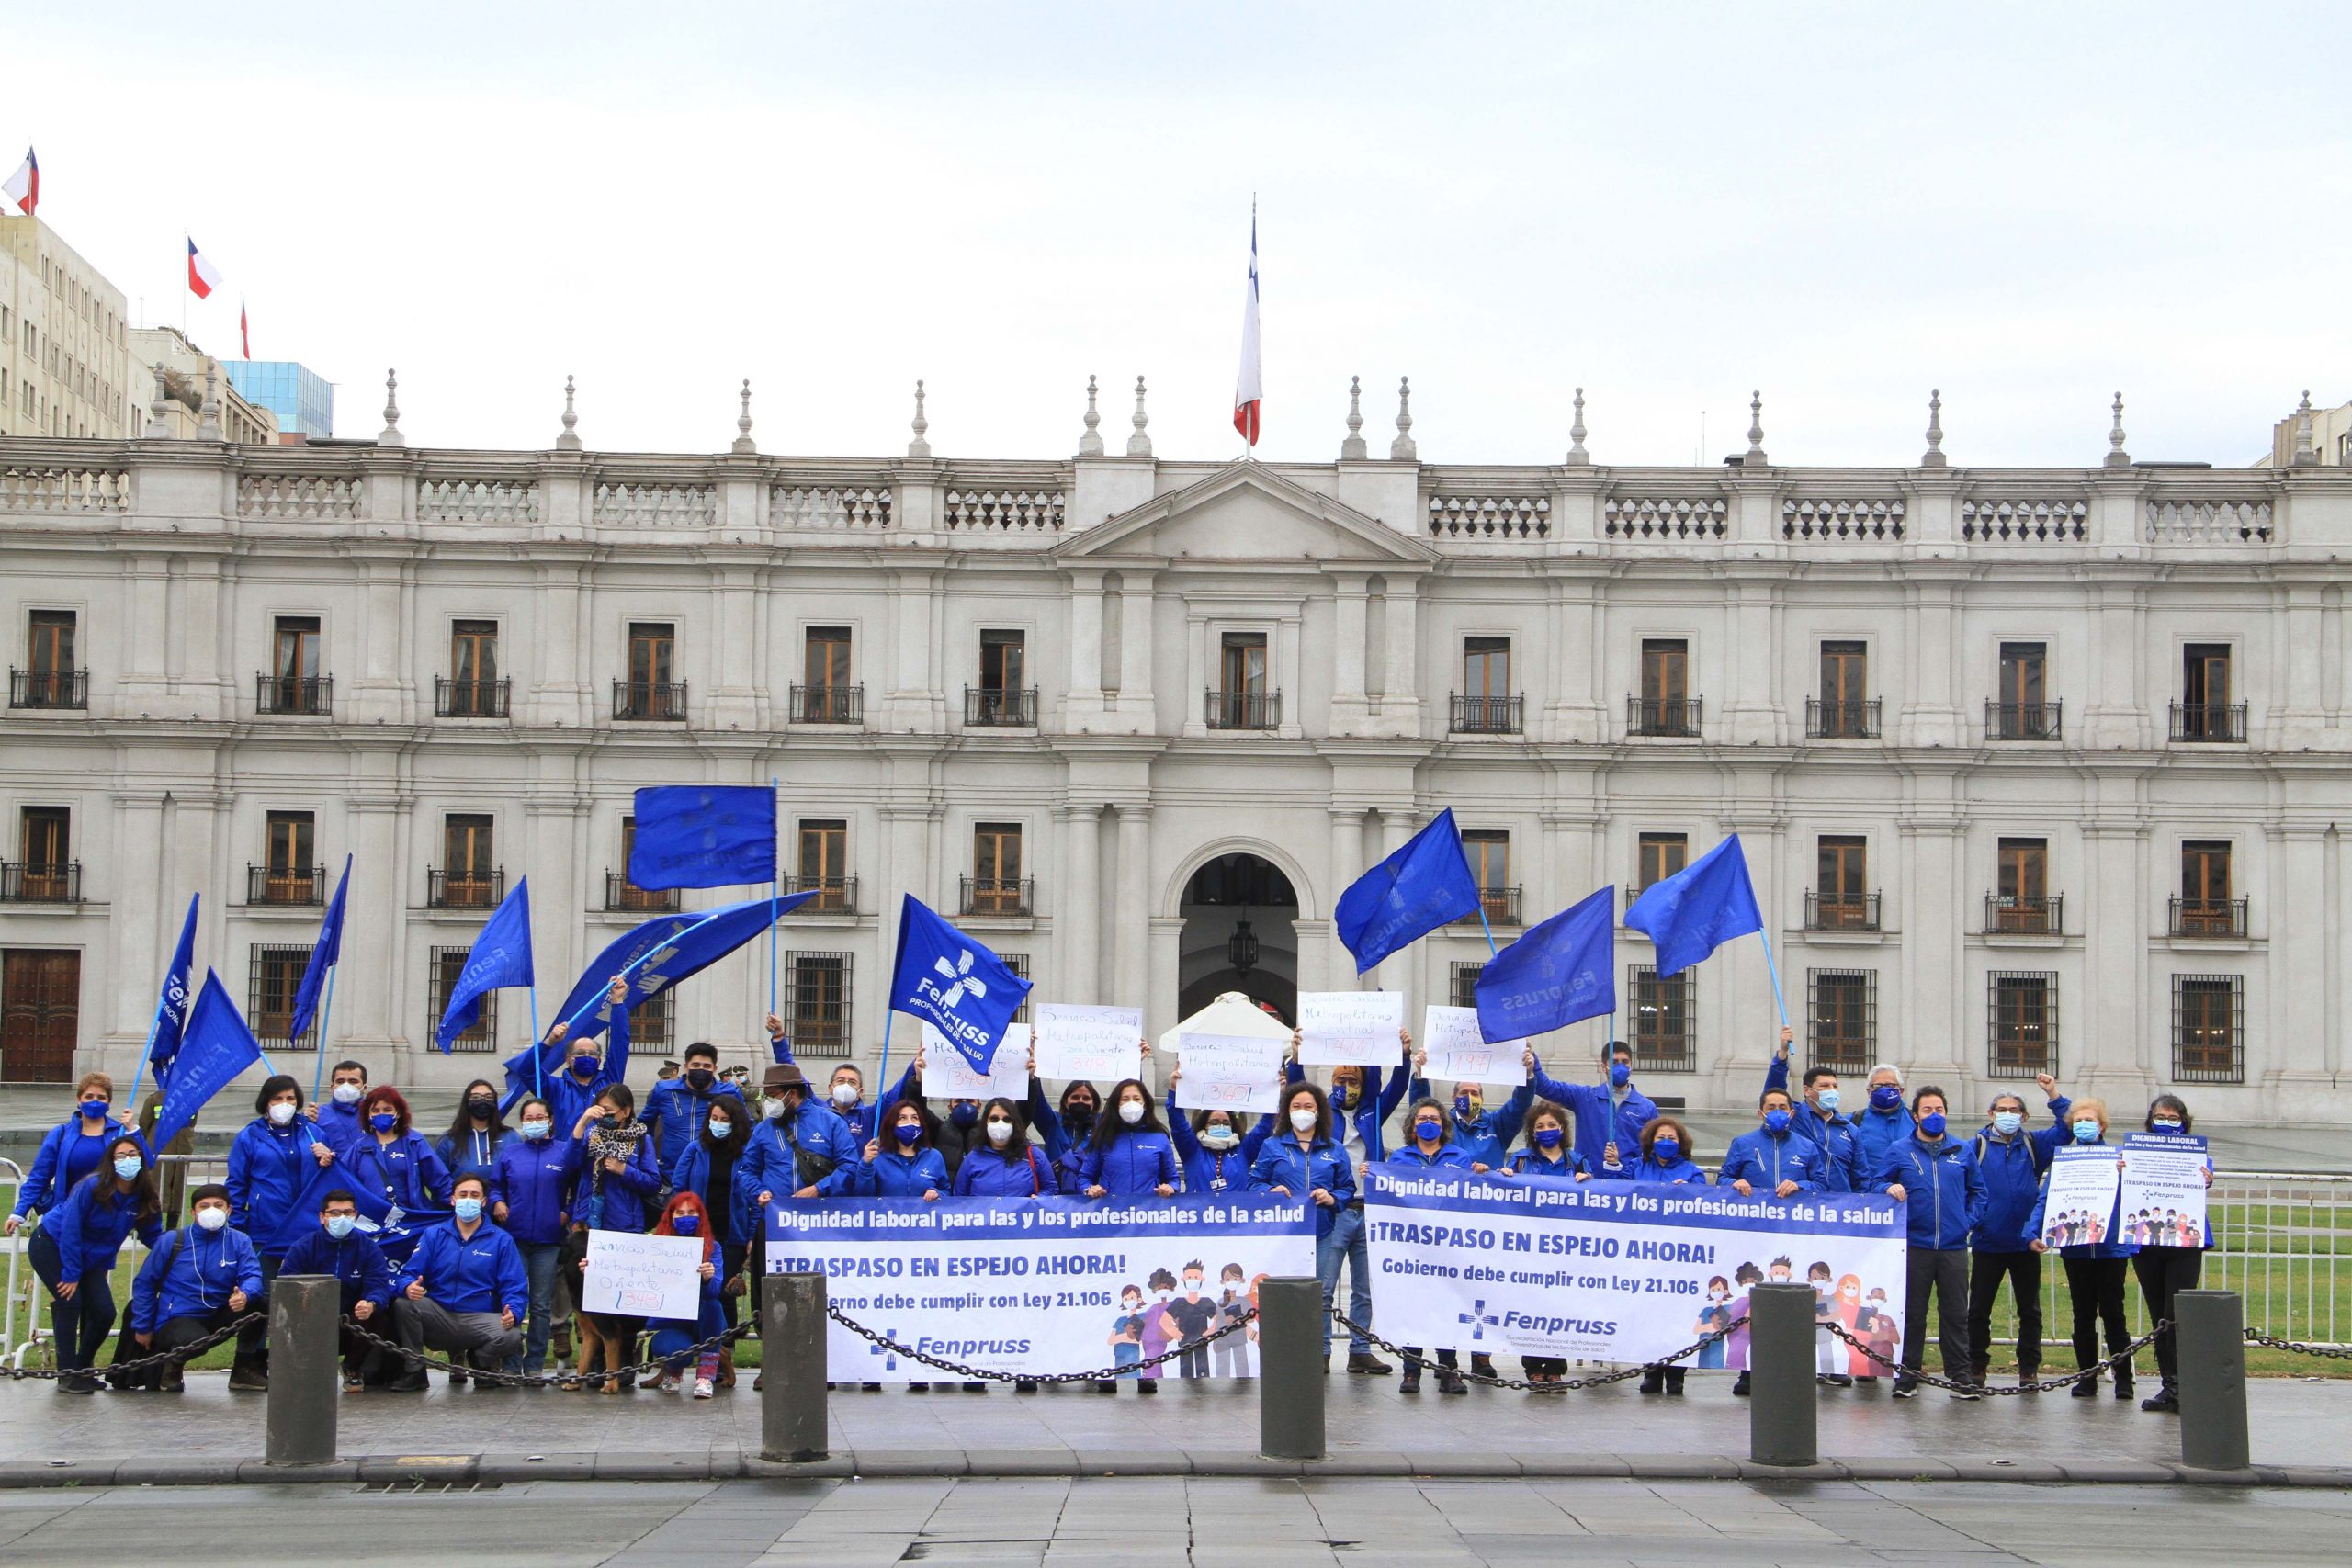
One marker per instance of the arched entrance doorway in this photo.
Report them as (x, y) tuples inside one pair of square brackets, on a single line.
[(1237, 935)]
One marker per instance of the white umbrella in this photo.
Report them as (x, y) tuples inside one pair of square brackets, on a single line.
[(1233, 1014)]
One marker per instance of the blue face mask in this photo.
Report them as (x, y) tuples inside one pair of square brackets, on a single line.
[(468, 1209), (2086, 1132), (1886, 1097), (1547, 1137), (1827, 1100), (1427, 1132), (1462, 1107), (908, 1132), (129, 1166), (719, 1126), (1932, 1123), (1665, 1151), (686, 1225), (340, 1225), (583, 1067), (2007, 1122), (94, 1110), (1338, 1097), (963, 1115), (384, 1121), (2164, 1124), (1776, 1120), (536, 1131), (1621, 1074)]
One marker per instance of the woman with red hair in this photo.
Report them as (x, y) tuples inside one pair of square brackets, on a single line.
[(392, 1159), (685, 1215)]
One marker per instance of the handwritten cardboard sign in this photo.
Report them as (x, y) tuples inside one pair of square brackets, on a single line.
[(643, 1276), (1337, 1028), (1101, 1044), (1459, 1054), (1230, 1072), (947, 1076)]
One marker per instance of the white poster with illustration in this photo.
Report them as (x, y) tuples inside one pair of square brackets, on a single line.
[(2164, 1190), (2079, 1203)]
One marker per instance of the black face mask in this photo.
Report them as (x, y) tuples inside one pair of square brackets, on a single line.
[(1079, 1118), (485, 1108), (701, 1078), (609, 1123)]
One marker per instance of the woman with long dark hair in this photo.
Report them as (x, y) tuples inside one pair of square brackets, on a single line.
[(707, 1168), (2165, 1267), (1130, 1155), (1303, 1161), (1003, 1163), (75, 1249), (531, 1195), (478, 1133)]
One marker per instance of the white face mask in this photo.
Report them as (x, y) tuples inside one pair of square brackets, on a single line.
[(1220, 1138), (1131, 1111), (845, 1095), (212, 1219), (1163, 1295), (282, 1113), (1303, 1119), (1000, 1131), (348, 1093), (770, 1109)]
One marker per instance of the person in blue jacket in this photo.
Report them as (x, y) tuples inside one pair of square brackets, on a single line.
[(340, 1248), (1130, 1155), (2167, 1266), (1427, 1145), (1662, 1152), (1549, 1151), (195, 1283), (1065, 1131), (2012, 1162), (476, 1135), (903, 1164), (618, 1179), (588, 1070), (708, 1170), (1608, 1116), (800, 1149), (1363, 1100), (1483, 1136), (1005, 1164), (1817, 1117), (337, 1118), (531, 1200), (393, 1160), (672, 1339), (1211, 1147), (2094, 1270), (72, 1150), (463, 1290), (1772, 1158), (270, 1165), (677, 1110), (1883, 1124), (74, 1250), (1303, 1161), (1935, 1176)]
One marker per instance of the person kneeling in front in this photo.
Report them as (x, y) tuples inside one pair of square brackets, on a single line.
[(463, 1290), (340, 1248), (196, 1281)]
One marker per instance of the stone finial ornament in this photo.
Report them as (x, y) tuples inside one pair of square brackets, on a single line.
[(1353, 448), (744, 445), (1091, 444), (391, 434), (209, 427), (2117, 457), (1402, 450), (1933, 457), (159, 412), (569, 440), (1139, 444), (1754, 456), (2306, 454), (919, 447), (1578, 456)]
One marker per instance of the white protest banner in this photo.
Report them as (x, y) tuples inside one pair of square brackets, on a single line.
[(1620, 1270), (643, 1276), (1101, 1044), (947, 1076), (1350, 1028), (2164, 1190), (1460, 1053), (1032, 1286), (2079, 1203), (1230, 1072)]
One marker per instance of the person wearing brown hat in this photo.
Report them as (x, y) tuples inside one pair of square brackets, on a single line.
[(801, 1148)]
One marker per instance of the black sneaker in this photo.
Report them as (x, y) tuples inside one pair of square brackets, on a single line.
[(1739, 1386), (1837, 1380), (1654, 1380), (1905, 1389), (1412, 1381)]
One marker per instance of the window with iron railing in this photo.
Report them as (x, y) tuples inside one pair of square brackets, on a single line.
[(2209, 1029), (826, 704), (2205, 712), (2022, 1025), (473, 699), (1013, 709), (1669, 718), (818, 1000), (1842, 901), (45, 871), (51, 679), (663, 702), (1488, 851), (1462, 984), (294, 884), (1242, 710), (1826, 720), (473, 688), (310, 696), (2206, 906), (1845, 709), (621, 894), (1485, 716), (2020, 902)]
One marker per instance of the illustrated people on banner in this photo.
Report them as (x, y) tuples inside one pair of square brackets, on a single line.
[(1194, 1315), (1849, 1313), (1158, 1330), (1127, 1332), (1233, 1304), (1714, 1319), (1747, 1276), (1829, 1351)]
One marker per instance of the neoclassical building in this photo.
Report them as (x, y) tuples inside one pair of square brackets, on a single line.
[(2035, 768)]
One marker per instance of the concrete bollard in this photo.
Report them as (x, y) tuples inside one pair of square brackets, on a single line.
[(1781, 1424), (305, 1312), (2209, 1349), (792, 1363), (1290, 1369)]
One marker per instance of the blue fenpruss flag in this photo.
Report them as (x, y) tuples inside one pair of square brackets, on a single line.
[(171, 1007), (965, 992), (1698, 908), (324, 956), (1425, 884), (216, 1047), (1559, 972), (703, 836), (500, 957)]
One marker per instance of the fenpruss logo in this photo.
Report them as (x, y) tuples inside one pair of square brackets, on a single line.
[(959, 978)]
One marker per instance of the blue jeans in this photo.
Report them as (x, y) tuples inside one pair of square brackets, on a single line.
[(1344, 1242), (538, 1263)]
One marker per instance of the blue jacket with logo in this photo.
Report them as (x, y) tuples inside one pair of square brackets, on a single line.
[(1764, 1159), (891, 1174), (2013, 1169), (1844, 1168), (405, 1171), (1880, 1131), (1134, 1162), (1281, 1162), (1485, 1138), (268, 1167), (191, 1272), (769, 1165), (535, 1181), (1943, 1191), (1680, 1169), (616, 1200), (676, 1110), (66, 1155), (1410, 1156), (90, 1226), (482, 1272), (985, 1173), (357, 1261), (470, 1153), (339, 1124), (1206, 1170), (1601, 1120)]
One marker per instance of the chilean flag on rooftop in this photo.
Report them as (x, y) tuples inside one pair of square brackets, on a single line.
[(203, 277), (1245, 389), (24, 186)]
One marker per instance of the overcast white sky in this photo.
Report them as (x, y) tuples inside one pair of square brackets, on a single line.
[(2027, 206)]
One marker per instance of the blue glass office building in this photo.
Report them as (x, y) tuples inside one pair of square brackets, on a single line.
[(301, 398)]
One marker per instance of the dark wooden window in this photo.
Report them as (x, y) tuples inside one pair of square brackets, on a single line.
[(818, 1020), (1004, 660), (276, 976), (1658, 856), (2024, 682), (1842, 1027), (294, 655), (2208, 1028), (2023, 1024), (447, 964), (50, 651), (825, 657), (996, 869), (1664, 1013), (1665, 671), (2204, 871), (291, 843), (1242, 663), (473, 652), (1486, 667)]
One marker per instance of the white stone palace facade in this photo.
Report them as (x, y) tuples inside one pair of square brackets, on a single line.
[(2034, 768)]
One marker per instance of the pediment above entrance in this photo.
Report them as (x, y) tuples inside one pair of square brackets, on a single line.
[(1246, 512)]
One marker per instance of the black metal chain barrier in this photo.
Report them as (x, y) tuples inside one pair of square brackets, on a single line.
[(984, 1374), (544, 1380), (184, 1354), (2254, 1338), (1907, 1375), (1564, 1386)]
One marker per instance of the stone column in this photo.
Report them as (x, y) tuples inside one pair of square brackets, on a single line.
[(1134, 705), (2118, 714), (2298, 922), (369, 989), (1752, 716), (2121, 1051), (1085, 698), (1933, 952), (1351, 708), (123, 985), (1347, 864), (378, 690), (2300, 722), (1400, 703), (732, 699), (1078, 919), (1132, 911)]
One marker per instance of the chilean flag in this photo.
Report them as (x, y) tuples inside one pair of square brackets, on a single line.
[(203, 277), (24, 186), (1246, 389), (244, 333)]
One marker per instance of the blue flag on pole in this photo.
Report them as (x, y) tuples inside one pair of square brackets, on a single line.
[(324, 955), (171, 1009), (697, 836), (1425, 884), (965, 992), (1557, 973), (375, 1210), (215, 1048), (500, 957), (1698, 908)]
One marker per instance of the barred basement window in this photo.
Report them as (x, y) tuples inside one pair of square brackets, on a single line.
[(818, 1015), (276, 976), (2022, 1025), (1664, 1032), (2208, 1028), (1842, 1021), (1465, 984), (655, 1023), (446, 965), (1019, 963)]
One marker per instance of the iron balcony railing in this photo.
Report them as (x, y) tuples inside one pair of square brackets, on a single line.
[(996, 895), (996, 706), (1825, 720), (310, 695), (464, 889), (2024, 721), (2223, 722), (1486, 716), (1243, 710), (2024, 914), (285, 885), (38, 881), (1674, 716), (48, 688), (1841, 911), (654, 701), (620, 893), (470, 699), (2209, 917), (827, 704), (835, 895), (1500, 906)]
